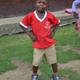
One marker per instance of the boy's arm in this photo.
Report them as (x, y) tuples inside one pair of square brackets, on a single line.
[(54, 29), (29, 33), (55, 26)]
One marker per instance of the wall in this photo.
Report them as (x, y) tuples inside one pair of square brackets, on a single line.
[(10, 8)]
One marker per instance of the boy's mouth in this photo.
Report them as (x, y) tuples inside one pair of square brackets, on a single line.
[(40, 9), (40, 1)]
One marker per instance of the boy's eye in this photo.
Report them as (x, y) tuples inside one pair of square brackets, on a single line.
[(39, 2), (42, 2)]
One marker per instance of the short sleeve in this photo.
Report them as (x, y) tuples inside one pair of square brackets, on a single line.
[(54, 20), (26, 21)]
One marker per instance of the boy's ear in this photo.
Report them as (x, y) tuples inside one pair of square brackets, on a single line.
[(45, 5)]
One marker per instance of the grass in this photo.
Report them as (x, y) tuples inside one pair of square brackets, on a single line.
[(19, 46), (46, 73), (67, 36), (14, 46), (71, 74)]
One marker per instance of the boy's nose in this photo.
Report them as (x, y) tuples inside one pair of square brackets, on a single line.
[(41, 4)]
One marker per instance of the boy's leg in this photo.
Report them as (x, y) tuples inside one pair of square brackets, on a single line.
[(55, 75), (51, 57), (37, 57), (35, 69), (55, 68)]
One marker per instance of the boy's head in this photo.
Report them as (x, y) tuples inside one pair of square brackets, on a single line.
[(41, 5)]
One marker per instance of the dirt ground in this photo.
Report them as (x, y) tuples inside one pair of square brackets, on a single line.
[(23, 71), (73, 65)]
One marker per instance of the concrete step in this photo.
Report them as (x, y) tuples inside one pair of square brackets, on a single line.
[(11, 25)]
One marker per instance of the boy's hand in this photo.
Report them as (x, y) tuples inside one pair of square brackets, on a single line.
[(31, 35), (33, 38), (50, 36), (53, 29)]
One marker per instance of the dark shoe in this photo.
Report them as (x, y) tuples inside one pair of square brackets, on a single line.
[(56, 77), (34, 77)]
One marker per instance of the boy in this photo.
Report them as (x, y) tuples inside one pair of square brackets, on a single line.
[(39, 26)]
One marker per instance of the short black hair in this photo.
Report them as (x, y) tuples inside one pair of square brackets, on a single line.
[(45, 0)]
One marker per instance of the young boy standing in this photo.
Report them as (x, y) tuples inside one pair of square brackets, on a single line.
[(39, 26)]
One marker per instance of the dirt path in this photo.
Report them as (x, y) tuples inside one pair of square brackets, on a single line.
[(69, 47), (73, 65), (23, 72)]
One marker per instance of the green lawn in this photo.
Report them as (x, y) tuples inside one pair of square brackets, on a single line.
[(19, 46)]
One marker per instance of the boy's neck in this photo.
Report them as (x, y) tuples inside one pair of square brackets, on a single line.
[(40, 12)]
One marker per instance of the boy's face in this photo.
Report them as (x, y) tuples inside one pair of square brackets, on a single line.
[(41, 5)]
